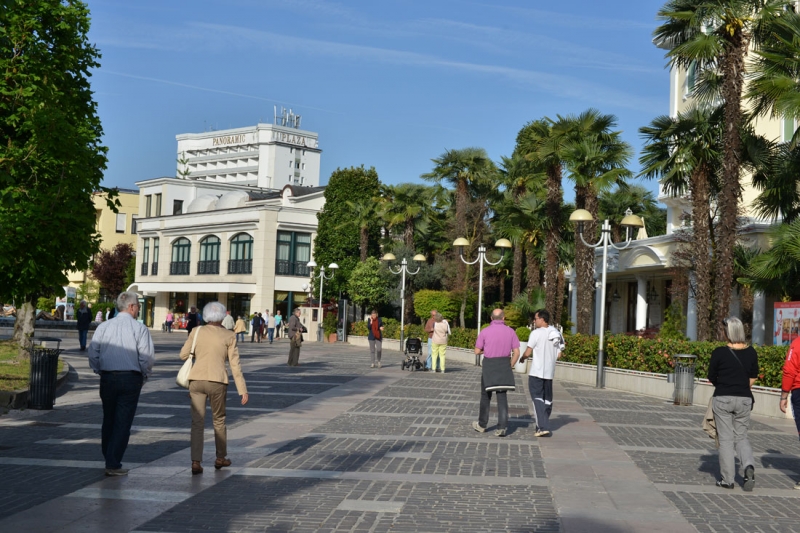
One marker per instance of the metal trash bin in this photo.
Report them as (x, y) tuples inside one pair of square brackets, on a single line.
[(684, 378), (44, 374)]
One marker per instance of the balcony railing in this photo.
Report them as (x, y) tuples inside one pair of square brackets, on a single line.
[(179, 268), (292, 268), (154, 269), (207, 267), (240, 266), (144, 269)]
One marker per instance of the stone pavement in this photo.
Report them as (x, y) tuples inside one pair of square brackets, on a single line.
[(334, 445)]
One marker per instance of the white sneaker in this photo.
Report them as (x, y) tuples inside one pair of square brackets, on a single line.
[(379, 364)]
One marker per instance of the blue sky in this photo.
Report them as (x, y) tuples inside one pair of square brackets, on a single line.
[(388, 83)]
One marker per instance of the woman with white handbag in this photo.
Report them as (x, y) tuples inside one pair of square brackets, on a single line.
[(210, 346)]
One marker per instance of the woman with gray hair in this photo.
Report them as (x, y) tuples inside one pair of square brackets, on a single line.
[(732, 370), (208, 379)]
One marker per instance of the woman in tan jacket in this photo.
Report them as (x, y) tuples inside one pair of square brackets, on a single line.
[(209, 379)]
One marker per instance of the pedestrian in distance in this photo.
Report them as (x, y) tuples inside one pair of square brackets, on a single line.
[(545, 345), (239, 329), (296, 330), (98, 317), (375, 338), (732, 370), (499, 345), (84, 318), (441, 331), (255, 326), (271, 327), (260, 328), (170, 320), (122, 353), (192, 320), (790, 384), (278, 321), (228, 322), (429, 330), (208, 382)]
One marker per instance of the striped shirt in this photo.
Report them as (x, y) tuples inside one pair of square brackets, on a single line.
[(122, 343)]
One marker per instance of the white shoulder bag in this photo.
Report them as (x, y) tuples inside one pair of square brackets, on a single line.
[(183, 374)]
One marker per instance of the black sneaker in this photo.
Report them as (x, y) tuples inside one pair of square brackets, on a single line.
[(724, 485), (749, 478)]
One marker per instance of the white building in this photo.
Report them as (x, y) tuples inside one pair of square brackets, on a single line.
[(230, 228)]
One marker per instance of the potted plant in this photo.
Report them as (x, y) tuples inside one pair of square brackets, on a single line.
[(329, 324)]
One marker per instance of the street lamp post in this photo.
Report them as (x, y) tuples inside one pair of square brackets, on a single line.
[(581, 216), (461, 242), (322, 277), (403, 270)]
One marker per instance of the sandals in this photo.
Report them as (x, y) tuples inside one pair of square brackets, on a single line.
[(222, 461), (196, 468)]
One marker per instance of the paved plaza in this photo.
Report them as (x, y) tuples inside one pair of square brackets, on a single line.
[(334, 445)]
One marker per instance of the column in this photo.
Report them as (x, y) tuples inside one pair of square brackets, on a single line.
[(641, 302), (573, 303), (759, 317), (691, 310)]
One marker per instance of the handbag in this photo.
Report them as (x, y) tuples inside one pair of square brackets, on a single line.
[(183, 374), (709, 424)]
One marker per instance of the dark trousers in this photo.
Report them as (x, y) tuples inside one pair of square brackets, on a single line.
[(253, 334), (294, 352), (796, 408), (119, 392), (271, 334), (82, 334), (542, 395), (502, 408)]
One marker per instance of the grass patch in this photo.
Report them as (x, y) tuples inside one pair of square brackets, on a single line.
[(15, 372)]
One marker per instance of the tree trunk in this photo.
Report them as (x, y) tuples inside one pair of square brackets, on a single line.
[(584, 262), (728, 202), (363, 243), (408, 234), (516, 282), (24, 327), (553, 210), (701, 249), (462, 197), (533, 272), (559, 308)]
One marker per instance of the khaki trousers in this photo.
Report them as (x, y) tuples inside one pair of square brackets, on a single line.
[(216, 393), (294, 352)]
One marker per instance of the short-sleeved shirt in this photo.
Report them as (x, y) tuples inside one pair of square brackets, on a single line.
[(497, 340), (546, 344)]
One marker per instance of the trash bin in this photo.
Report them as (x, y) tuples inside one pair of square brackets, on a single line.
[(684, 378), (44, 374)]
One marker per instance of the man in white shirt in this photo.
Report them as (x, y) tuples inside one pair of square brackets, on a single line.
[(228, 322), (544, 348)]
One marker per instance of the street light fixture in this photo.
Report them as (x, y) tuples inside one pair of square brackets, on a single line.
[(419, 258), (629, 222), (322, 277), (460, 243)]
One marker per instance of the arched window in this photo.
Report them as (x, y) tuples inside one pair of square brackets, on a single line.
[(209, 256), (181, 251), (241, 260)]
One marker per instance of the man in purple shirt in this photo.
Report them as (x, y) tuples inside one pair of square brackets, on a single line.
[(500, 347)]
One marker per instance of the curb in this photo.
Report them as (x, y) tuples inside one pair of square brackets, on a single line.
[(18, 399)]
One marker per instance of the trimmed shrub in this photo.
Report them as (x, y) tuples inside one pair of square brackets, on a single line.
[(523, 333), (359, 328)]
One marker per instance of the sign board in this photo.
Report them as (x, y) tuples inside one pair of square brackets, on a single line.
[(68, 302), (786, 322)]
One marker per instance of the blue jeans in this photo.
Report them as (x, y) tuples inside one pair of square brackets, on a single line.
[(270, 334), (240, 335), (82, 334), (119, 392)]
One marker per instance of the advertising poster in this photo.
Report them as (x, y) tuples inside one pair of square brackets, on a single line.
[(787, 323)]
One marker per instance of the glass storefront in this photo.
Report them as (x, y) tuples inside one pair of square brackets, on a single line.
[(285, 301), (178, 302), (239, 305)]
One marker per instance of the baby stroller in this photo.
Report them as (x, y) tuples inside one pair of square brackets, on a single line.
[(413, 352)]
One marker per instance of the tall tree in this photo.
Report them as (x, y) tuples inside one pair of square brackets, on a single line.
[(111, 268), (714, 36), (643, 203), (684, 153), (340, 242), (595, 157), (362, 216), (51, 155)]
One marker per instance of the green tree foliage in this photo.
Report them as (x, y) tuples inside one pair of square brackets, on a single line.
[(338, 240), (51, 156), (370, 283), (89, 290), (674, 322), (777, 270), (446, 302)]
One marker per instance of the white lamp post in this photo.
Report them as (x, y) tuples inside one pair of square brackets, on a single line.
[(322, 277), (461, 242), (581, 216), (403, 270)]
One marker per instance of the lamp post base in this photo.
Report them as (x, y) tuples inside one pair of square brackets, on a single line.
[(601, 357)]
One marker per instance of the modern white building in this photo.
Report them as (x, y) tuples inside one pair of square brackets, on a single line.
[(229, 228)]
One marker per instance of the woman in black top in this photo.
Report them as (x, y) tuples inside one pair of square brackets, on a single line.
[(733, 369)]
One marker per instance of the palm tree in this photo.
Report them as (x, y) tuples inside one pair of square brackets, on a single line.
[(683, 152), (777, 270), (714, 36), (614, 204), (595, 158), (363, 217)]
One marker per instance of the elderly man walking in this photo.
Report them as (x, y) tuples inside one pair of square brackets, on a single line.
[(122, 353), (545, 345), (84, 317), (500, 347)]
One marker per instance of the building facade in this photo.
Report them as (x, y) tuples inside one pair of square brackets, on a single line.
[(227, 229)]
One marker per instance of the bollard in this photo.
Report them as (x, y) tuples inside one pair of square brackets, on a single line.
[(684, 378)]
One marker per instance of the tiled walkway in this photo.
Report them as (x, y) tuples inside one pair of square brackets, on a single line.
[(336, 446)]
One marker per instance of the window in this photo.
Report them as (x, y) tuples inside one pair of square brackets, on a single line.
[(148, 205), (181, 251), (691, 78), (154, 268), (293, 254), (241, 259), (290, 164), (121, 222), (177, 207), (177, 302), (145, 256), (209, 256), (158, 205), (133, 226), (787, 126)]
